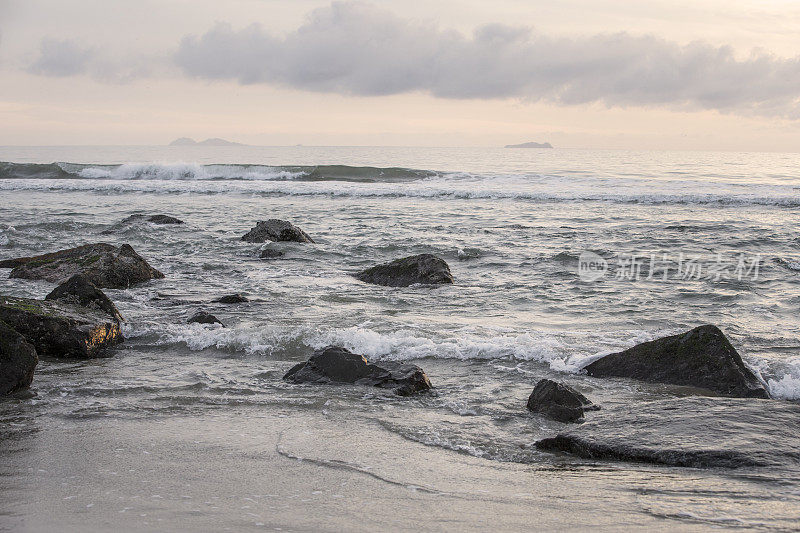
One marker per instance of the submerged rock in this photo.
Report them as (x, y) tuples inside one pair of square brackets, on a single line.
[(231, 299), (104, 265), (155, 219), (18, 360), (276, 230), (702, 357), (164, 219), (424, 268), (80, 291), (559, 402), (466, 254), (58, 329), (338, 365), (691, 431), (269, 253), (202, 317)]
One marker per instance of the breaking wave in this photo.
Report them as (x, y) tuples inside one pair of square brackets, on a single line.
[(365, 182), (195, 172), (561, 352)]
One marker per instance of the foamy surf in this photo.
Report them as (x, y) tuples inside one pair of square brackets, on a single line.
[(560, 351), (185, 171), (344, 181)]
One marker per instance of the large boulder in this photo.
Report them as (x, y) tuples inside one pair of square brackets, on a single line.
[(338, 365), (559, 402), (59, 329), (702, 357), (424, 268), (104, 265), (276, 230), (693, 431), (80, 291), (17, 360)]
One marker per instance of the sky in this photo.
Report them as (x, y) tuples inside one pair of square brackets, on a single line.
[(596, 74)]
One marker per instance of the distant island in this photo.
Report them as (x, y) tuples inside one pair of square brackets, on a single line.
[(530, 145), (186, 141)]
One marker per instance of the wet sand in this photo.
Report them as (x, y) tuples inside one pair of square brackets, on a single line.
[(245, 470)]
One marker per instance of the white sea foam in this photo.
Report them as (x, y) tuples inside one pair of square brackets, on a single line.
[(561, 351), (200, 337), (154, 171), (185, 172), (786, 386)]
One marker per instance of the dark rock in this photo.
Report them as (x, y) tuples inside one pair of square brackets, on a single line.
[(17, 360), (692, 431), (269, 253), (276, 230), (231, 299), (559, 402), (338, 365), (155, 219), (104, 265), (423, 268), (133, 218), (202, 317), (164, 219), (80, 291), (59, 329), (702, 357)]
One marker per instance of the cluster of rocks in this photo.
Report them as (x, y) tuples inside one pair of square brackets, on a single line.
[(339, 365), (77, 320), (702, 358), (423, 269)]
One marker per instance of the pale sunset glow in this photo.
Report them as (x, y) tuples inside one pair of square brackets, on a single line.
[(584, 74)]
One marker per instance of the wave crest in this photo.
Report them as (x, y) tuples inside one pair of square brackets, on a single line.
[(196, 172)]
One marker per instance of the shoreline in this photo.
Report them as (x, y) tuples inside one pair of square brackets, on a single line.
[(248, 470)]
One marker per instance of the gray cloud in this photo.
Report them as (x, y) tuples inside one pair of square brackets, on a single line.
[(360, 49), (62, 58), (65, 57)]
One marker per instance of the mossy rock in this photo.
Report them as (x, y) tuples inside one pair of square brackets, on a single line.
[(104, 265), (61, 330)]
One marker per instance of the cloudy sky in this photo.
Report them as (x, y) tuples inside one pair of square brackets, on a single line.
[(660, 74)]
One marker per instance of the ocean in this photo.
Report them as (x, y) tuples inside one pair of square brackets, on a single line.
[(559, 257)]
